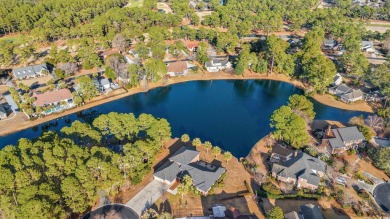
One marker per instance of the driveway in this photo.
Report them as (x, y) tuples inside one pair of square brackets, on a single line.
[(147, 196), (382, 196)]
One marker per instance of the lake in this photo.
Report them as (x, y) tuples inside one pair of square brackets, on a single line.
[(232, 114)]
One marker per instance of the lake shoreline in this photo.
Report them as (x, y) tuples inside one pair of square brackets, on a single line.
[(324, 99)]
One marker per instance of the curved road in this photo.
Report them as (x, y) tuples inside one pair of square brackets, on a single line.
[(382, 196)]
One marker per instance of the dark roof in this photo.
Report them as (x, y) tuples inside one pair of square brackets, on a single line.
[(343, 135), (28, 70), (301, 166), (311, 211), (291, 215), (184, 155)]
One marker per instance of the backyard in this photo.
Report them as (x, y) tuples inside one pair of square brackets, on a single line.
[(134, 3)]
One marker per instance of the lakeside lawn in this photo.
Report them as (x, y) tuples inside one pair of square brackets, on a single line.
[(135, 3)]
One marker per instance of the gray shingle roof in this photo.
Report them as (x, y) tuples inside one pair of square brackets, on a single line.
[(311, 211), (343, 88), (301, 166), (215, 63), (28, 71), (203, 178), (355, 93), (330, 42), (104, 81), (184, 155), (367, 44), (291, 215), (342, 135)]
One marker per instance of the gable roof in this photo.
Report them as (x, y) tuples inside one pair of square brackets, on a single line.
[(346, 134), (329, 42), (311, 211), (184, 155), (179, 66), (52, 97), (355, 93), (301, 166), (104, 81), (291, 215), (367, 44), (28, 71), (343, 88), (214, 63)]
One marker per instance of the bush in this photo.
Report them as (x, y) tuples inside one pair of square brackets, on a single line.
[(311, 151), (351, 152), (271, 188), (263, 193)]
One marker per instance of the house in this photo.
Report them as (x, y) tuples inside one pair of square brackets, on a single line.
[(329, 43), (302, 170), (53, 98), (339, 140), (218, 211), (105, 83), (292, 215), (367, 46), (340, 90), (106, 54), (354, 95), (29, 71), (381, 142), (177, 68), (310, 211), (280, 154), (186, 161), (3, 113), (217, 65), (191, 45), (337, 79)]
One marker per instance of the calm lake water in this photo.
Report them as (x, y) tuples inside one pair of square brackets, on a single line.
[(232, 114)]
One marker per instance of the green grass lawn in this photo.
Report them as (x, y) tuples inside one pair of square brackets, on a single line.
[(135, 3), (10, 38), (379, 25)]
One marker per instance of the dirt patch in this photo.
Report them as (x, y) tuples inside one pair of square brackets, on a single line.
[(332, 101)]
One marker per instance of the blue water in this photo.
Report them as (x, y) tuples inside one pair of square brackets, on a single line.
[(232, 114)]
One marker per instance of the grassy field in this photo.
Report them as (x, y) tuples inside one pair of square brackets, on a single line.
[(10, 38), (135, 3)]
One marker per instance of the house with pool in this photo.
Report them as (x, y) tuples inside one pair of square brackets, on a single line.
[(55, 100), (185, 161)]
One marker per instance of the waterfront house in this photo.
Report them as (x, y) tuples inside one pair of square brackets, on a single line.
[(185, 161), (339, 140), (367, 46), (340, 90), (354, 95), (310, 211), (3, 112), (177, 68), (29, 71), (302, 170), (53, 98), (217, 65), (337, 79), (105, 83)]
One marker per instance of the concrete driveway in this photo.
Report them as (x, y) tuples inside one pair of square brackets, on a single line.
[(147, 196)]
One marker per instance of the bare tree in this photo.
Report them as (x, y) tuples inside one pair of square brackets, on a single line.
[(119, 42), (375, 122), (69, 68), (118, 64)]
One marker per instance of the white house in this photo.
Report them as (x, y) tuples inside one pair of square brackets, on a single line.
[(177, 68), (105, 83), (29, 71), (368, 46), (337, 79), (217, 65)]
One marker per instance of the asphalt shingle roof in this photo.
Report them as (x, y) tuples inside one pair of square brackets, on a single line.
[(2, 111), (28, 71), (311, 211), (355, 93), (203, 178), (301, 166), (217, 63), (184, 155)]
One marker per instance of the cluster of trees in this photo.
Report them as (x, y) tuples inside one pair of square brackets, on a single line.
[(57, 175), (290, 121)]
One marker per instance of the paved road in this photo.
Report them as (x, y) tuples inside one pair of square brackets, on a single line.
[(147, 196)]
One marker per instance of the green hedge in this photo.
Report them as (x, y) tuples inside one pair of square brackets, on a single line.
[(263, 193)]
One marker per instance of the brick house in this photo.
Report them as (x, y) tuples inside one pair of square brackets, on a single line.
[(339, 140)]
